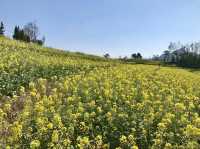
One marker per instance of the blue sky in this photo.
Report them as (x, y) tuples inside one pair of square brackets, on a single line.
[(119, 27)]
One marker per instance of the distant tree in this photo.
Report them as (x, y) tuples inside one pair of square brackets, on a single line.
[(39, 42), (20, 35), (139, 56), (125, 58), (31, 30), (26, 38), (16, 33), (166, 56), (156, 57), (107, 55), (43, 39), (2, 30), (134, 56), (174, 46)]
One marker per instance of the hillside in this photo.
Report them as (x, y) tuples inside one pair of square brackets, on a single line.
[(21, 63), (56, 99)]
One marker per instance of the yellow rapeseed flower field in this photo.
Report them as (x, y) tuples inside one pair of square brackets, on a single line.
[(62, 100)]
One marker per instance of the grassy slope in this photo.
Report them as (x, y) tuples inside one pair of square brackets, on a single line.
[(21, 63)]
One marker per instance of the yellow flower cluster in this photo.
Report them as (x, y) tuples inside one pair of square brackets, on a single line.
[(74, 102)]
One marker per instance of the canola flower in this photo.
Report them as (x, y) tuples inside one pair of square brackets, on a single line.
[(100, 105)]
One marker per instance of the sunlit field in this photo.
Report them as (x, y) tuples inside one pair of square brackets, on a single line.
[(55, 99)]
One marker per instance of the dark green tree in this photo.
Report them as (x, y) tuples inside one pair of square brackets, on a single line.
[(20, 35), (107, 55), (134, 56), (16, 33), (2, 29), (139, 56)]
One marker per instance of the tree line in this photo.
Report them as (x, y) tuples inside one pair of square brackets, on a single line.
[(29, 33), (184, 55), (133, 57)]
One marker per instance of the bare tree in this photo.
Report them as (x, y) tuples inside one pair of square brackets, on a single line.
[(31, 30)]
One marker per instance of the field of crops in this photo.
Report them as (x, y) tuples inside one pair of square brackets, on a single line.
[(62, 100)]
